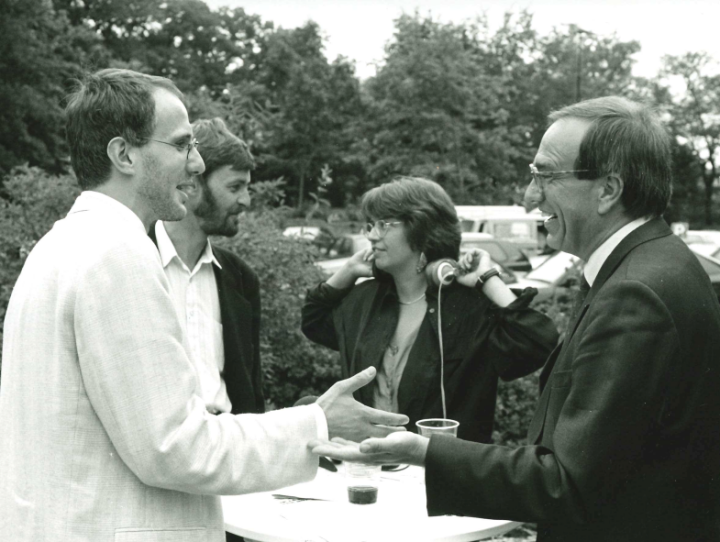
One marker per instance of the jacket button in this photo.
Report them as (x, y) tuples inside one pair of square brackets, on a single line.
[(432, 310)]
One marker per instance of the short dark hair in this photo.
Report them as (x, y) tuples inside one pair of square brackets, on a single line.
[(219, 147), (104, 105), (427, 211), (627, 139)]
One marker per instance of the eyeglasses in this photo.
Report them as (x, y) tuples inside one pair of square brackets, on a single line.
[(189, 146), (381, 226), (543, 177)]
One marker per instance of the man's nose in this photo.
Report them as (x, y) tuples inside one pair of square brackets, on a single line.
[(244, 199), (195, 163), (533, 196)]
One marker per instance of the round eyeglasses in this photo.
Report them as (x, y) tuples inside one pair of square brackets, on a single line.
[(193, 144), (541, 178), (380, 226)]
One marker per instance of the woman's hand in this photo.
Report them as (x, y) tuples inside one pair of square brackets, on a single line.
[(473, 264), (359, 265)]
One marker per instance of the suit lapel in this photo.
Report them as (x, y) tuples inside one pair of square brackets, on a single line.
[(651, 230)]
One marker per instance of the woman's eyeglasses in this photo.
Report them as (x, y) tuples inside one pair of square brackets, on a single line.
[(380, 226)]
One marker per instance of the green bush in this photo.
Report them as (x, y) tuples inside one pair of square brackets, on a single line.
[(292, 365), (31, 202)]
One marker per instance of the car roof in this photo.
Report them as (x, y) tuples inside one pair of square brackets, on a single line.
[(473, 236)]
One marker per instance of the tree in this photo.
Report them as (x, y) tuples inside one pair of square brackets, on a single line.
[(39, 54), (184, 39), (437, 112), (295, 110), (694, 115)]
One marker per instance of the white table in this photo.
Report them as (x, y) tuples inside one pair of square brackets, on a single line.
[(399, 515)]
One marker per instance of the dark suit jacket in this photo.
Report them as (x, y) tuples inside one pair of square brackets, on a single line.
[(239, 293), (625, 444)]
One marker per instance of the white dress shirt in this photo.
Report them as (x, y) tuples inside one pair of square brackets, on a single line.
[(195, 296), (597, 258)]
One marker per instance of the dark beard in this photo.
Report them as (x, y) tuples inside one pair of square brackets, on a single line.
[(211, 221)]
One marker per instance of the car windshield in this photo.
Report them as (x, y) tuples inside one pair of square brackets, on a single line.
[(711, 268), (553, 268)]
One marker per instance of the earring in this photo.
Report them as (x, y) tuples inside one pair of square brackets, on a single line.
[(422, 263)]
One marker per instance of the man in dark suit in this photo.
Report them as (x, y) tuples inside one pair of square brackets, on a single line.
[(216, 294), (625, 443)]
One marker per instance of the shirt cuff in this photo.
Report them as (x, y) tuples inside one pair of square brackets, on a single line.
[(320, 422)]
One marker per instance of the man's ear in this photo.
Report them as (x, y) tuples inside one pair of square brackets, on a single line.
[(611, 190), (118, 151)]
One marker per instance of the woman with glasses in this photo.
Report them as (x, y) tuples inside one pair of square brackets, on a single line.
[(397, 321)]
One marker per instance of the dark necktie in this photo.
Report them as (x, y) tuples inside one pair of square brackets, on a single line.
[(579, 301)]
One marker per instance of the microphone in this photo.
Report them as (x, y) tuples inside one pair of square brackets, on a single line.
[(442, 271)]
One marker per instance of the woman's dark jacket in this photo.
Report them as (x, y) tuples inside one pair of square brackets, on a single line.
[(481, 342)]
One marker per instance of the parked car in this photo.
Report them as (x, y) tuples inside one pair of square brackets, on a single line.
[(560, 272), (712, 268), (302, 232), (501, 251), (510, 223), (706, 249), (702, 236), (556, 275)]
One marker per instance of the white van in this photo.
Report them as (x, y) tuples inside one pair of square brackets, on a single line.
[(507, 222)]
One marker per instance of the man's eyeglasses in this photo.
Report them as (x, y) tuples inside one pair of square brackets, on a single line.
[(381, 226), (193, 144), (541, 178)]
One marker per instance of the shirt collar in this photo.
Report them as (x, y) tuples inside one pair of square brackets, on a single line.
[(90, 200), (602, 253), (168, 252)]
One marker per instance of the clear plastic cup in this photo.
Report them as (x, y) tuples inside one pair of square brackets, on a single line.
[(363, 482), (437, 426)]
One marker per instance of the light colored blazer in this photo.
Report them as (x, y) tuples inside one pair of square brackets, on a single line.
[(103, 435)]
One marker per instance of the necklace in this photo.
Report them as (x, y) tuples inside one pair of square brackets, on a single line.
[(411, 302)]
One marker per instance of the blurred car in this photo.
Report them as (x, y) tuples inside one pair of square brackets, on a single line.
[(706, 249), (556, 275), (560, 273), (506, 254), (712, 268), (302, 232), (702, 236)]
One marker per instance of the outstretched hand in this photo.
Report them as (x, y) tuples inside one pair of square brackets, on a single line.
[(396, 448), (351, 420)]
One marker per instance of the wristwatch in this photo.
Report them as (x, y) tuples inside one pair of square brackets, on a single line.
[(487, 275)]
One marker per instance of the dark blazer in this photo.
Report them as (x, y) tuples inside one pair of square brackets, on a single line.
[(481, 342), (625, 444), (239, 293)]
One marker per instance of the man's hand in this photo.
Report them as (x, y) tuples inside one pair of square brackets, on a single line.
[(351, 420), (396, 448)]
